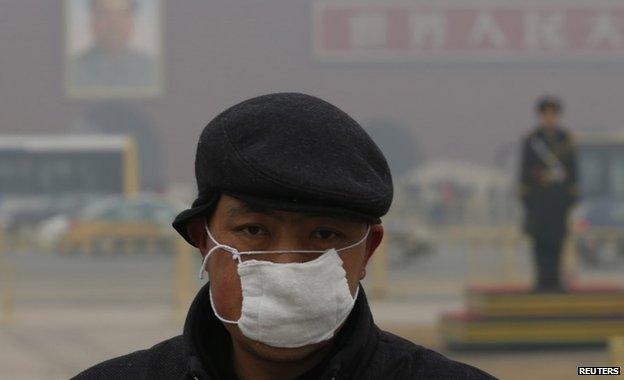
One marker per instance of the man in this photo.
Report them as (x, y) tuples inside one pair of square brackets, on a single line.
[(111, 61), (548, 189), (291, 191)]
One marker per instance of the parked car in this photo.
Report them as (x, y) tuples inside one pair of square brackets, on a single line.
[(114, 225), (409, 239), (598, 220), (22, 216)]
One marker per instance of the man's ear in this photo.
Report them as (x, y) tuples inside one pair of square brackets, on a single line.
[(374, 240), (196, 229)]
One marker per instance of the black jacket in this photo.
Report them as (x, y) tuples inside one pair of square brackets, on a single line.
[(361, 351)]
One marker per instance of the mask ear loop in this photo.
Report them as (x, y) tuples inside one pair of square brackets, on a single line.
[(236, 255), (368, 228), (233, 251)]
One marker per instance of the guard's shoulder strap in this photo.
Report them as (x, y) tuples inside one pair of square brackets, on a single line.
[(544, 153)]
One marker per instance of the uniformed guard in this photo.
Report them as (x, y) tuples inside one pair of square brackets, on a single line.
[(548, 189)]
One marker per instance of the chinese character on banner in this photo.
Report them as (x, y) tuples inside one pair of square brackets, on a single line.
[(472, 30)]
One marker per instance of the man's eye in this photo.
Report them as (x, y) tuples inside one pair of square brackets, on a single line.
[(325, 234), (253, 230)]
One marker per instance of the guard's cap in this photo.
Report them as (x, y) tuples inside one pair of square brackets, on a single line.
[(549, 101)]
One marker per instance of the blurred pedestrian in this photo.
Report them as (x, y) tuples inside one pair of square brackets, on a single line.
[(548, 189)]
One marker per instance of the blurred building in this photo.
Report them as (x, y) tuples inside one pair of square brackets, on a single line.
[(460, 102), (452, 193)]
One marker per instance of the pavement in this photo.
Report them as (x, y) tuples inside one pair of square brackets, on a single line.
[(58, 342), (73, 312)]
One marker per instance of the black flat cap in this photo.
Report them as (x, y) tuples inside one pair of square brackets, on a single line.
[(292, 152)]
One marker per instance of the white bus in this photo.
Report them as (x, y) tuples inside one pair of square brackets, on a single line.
[(42, 175)]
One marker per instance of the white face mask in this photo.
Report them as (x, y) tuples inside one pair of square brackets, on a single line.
[(293, 304)]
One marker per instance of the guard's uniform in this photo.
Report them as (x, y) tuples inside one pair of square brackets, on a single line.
[(548, 188)]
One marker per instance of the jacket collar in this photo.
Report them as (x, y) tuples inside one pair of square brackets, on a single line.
[(207, 344)]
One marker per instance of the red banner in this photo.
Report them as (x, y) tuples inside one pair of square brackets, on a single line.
[(589, 30)]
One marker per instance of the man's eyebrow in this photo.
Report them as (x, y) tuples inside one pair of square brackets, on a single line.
[(245, 209), (320, 214)]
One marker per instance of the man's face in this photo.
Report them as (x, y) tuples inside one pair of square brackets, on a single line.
[(234, 223), (113, 24), (549, 117)]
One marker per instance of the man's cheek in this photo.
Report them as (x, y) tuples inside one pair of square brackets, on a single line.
[(226, 287)]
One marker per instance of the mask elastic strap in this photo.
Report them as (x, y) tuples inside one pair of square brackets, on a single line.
[(214, 309), (233, 251), (236, 255), (310, 251), (357, 291), (368, 228)]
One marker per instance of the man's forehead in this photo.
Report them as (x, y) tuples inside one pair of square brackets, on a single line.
[(236, 208)]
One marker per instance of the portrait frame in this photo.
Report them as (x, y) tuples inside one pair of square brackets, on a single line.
[(146, 46)]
